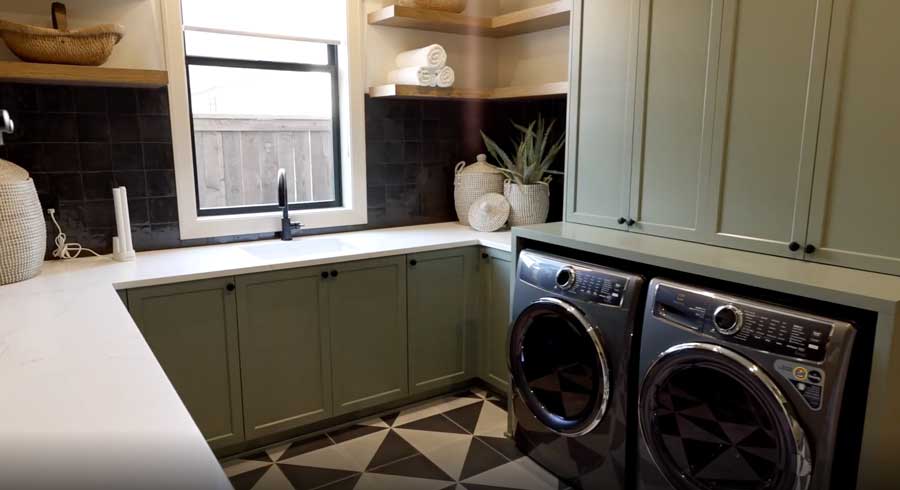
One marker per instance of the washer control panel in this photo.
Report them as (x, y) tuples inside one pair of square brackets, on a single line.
[(576, 280), (772, 329)]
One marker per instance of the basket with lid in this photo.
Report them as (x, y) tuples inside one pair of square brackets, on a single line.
[(472, 182)]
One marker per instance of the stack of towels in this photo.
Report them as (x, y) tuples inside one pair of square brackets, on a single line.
[(424, 66)]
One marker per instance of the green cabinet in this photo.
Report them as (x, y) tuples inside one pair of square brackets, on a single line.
[(192, 330), (496, 276), (285, 351), (442, 303), (366, 315)]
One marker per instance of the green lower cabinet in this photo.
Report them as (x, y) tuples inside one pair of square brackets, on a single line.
[(285, 356), (366, 313), (441, 310), (496, 268), (192, 330)]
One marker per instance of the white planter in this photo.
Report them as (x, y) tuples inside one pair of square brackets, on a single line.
[(528, 204)]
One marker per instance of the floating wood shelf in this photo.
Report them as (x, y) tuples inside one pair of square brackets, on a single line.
[(539, 18), (522, 92), (17, 71)]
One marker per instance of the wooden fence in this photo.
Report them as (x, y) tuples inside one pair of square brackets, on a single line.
[(238, 160)]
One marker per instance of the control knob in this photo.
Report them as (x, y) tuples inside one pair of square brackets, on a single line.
[(728, 319), (565, 278)]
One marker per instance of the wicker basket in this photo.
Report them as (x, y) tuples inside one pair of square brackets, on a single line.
[(91, 46), (528, 204), (455, 6), (473, 182), (23, 234)]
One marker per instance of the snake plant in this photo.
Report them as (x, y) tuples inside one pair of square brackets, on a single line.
[(534, 153)]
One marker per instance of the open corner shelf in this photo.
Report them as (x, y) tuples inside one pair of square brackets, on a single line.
[(534, 19), (521, 92), (18, 71)]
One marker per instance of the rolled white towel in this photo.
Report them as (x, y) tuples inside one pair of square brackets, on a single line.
[(414, 75), (433, 57), (446, 77)]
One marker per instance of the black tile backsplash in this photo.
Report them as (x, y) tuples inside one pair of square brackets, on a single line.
[(80, 142)]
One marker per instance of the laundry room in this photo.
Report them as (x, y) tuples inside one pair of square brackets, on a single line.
[(450, 244)]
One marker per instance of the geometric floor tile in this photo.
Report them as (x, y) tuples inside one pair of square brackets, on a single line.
[(450, 443)]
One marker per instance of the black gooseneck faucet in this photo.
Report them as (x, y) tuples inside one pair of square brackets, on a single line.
[(287, 228)]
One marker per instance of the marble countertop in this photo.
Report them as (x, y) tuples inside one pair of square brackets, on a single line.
[(86, 404)]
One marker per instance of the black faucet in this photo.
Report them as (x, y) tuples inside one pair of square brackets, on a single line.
[(287, 228)]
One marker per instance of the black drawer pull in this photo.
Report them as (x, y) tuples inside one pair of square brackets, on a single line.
[(810, 248), (229, 287), (324, 274), (334, 273), (413, 262), (794, 246)]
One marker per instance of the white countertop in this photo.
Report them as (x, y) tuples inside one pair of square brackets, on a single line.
[(84, 402)]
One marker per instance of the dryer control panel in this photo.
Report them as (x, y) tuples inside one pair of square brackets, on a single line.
[(772, 329), (572, 279)]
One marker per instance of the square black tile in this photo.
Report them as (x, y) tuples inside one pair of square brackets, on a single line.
[(60, 157), (19, 97), (135, 182), (98, 185), (67, 187), (153, 101), (155, 128), (158, 156), (122, 101), (124, 128), (93, 127), (100, 214), (127, 156), (55, 128), (163, 210), (95, 156), (160, 183), (26, 155), (53, 98), (90, 99), (139, 211)]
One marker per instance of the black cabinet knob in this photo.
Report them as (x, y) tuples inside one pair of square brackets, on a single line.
[(484, 255), (229, 287), (810, 248), (794, 246), (334, 273), (324, 274), (621, 221), (413, 262), (631, 222)]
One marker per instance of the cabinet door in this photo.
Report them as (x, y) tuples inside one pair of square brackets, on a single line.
[(496, 277), (192, 330), (601, 110), (367, 315), (678, 49), (767, 112), (441, 308), (855, 202), (285, 356)]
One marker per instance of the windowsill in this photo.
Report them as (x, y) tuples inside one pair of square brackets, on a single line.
[(245, 224)]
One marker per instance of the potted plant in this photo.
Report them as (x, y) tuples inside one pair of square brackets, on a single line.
[(528, 173)]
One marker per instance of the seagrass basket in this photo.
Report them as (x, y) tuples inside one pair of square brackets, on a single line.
[(90, 46), (23, 234)]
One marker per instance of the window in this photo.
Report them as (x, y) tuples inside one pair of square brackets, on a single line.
[(256, 87)]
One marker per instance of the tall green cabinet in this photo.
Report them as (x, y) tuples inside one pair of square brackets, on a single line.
[(192, 330)]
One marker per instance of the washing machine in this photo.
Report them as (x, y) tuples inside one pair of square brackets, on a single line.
[(570, 346), (737, 394)]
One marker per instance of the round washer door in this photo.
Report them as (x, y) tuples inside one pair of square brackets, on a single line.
[(559, 367), (711, 419)]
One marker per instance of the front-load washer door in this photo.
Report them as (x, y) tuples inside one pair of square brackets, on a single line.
[(711, 419), (559, 367)]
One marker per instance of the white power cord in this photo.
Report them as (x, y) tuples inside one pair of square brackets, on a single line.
[(66, 250)]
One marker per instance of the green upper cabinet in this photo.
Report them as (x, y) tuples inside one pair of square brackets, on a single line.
[(602, 71), (496, 274), (676, 86), (855, 202), (442, 303), (366, 313), (768, 98), (192, 330), (285, 356)]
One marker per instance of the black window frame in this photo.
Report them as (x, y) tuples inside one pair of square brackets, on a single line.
[(330, 68)]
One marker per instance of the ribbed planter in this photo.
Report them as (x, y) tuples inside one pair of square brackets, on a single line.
[(528, 204)]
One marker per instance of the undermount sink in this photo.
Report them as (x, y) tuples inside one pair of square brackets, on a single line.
[(297, 247)]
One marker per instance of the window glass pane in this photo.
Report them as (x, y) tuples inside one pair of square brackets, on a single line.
[(254, 48), (315, 19), (248, 123)]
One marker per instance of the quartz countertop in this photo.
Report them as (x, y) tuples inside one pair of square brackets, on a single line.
[(86, 404)]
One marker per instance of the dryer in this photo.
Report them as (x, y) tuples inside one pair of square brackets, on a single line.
[(570, 347), (737, 394)]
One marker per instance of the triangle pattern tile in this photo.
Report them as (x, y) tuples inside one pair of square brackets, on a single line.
[(417, 466), (352, 432), (353, 455), (276, 452), (466, 416), (304, 477), (475, 486), (301, 447), (492, 421), (479, 459), (246, 480), (510, 475), (274, 479), (238, 466), (258, 456), (538, 472), (504, 445), (377, 481), (448, 451), (433, 407), (345, 484), (392, 448), (376, 422), (435, 423), (390, 418)]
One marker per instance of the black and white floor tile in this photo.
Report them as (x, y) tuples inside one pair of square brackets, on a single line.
[(455, 442)]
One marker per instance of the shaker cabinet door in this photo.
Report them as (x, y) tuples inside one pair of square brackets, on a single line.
[(496, 277), (855, 201), (601, 111), (766, 126)]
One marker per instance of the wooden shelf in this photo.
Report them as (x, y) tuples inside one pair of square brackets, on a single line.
[(522, 92), (539, 18), (17, 71)]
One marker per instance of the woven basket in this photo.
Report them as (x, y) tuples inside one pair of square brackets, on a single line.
[(472, 182), (528, 204), (455, 6), (91, 46), (23, 235)]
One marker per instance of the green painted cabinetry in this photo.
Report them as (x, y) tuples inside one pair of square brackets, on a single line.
[(366, 315), (496, 271), (192, 330), (285, 350), (442, 303)]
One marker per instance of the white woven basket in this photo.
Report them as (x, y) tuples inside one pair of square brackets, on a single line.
[(528, 204), (23, 235), (468, 186)]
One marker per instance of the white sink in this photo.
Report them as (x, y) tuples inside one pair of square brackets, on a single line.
[(298, 247)]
